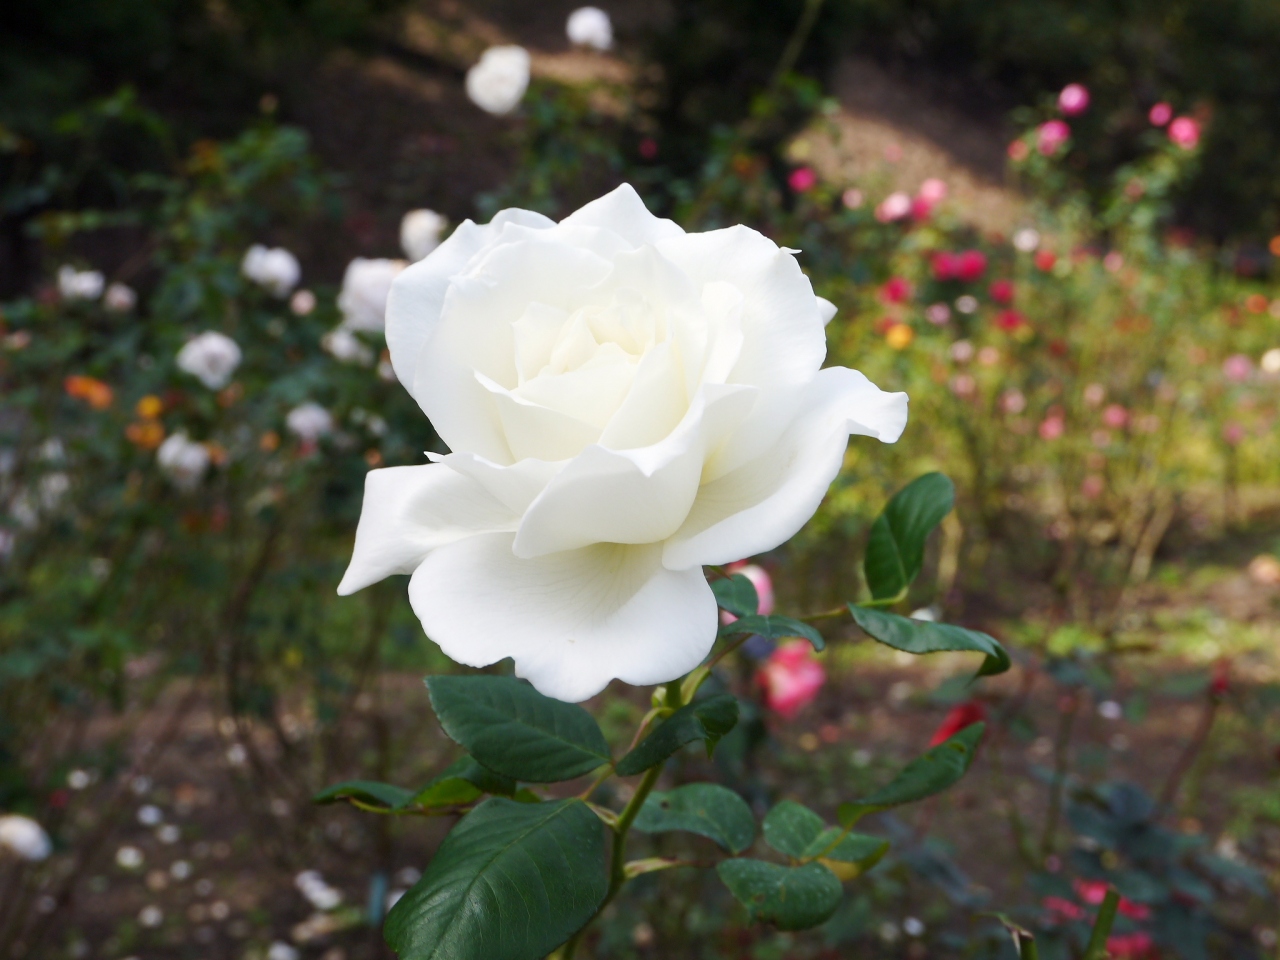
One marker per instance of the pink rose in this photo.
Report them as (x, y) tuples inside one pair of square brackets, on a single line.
[(1051, 428), (893, 207), (1185, 132), (1115, 416), (970, 266), (1051, 135), (1001, 291), (1237, 367), (761, 580), (791, 678), (1073, 99), (1160, 114), (802, 179)]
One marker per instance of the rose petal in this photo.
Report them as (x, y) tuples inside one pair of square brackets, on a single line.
[(572, 621), (631, 496), (622, 211), (409, 511), (758, 506)]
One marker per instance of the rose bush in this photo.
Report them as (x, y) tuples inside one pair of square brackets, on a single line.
[(624, 402)]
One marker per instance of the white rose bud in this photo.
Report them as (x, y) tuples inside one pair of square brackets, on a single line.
[(345, 346), (120, 298), (624, 402), (274, 269), (365, 285), (420, 233), (24, 838), (497, 82), (211, 358), (590, 27), (309, 422), (183, 460), (76, 284)]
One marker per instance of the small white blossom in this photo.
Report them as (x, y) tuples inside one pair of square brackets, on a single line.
[(24, 838), (590, 27), (120, 298), (346, 346), (365, 285), (420, 232), (274, 269), (1026, 240), (1270, 362), (312, 886), (76, 284), (211, 358), (302, 303), (53, 487), (497, 82), (309, 422), (282, 951), (183, 460)]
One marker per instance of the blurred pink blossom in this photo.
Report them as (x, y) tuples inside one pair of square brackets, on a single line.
[(1001, 291), (1233, 433), (1113, 261), (1101, 438), (1237, 367), (989, 356), (1147, 423), (962, 351), (1051, 428), (1051, 135), (648, 148), (1073, 99), (921, 209), (1131, 946), (852, 198), (1185, 132), (895, 290), (1160, 114), (963, 385), (761, 580), (1010, 320), (802, 179), (1013, 401), (893, 207), (1093, 486), (1094, 394), (933, 191), (791, 678), (1115, 416), (938, 314), (971, 265)]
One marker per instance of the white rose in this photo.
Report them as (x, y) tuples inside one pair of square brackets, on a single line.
[(344, 345), (183, 460), (276, 269), (365, 285), (420, 232), (76, 284), (590, 27), (309, 422), (211, 358), (497, 82), (625, 402), (24, 838), (120, 298)]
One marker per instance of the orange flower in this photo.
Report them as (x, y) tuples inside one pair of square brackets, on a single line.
[(149, 407), (146, 435), (269, 441), (89, 389), (217, 453), (1256, 303), (899, 336)]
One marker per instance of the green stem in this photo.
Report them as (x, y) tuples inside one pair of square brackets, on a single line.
[(796, 43), (1097, 949)]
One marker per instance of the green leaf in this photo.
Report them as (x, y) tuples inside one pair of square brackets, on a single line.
[(775, 628), (856, 848), (895, 550), (708, 720), (461, 782), (706, 809), (513, 730), (792, 898), (369, 792), (511, 882), (923, 636), (923, 777), (736, 594), (791, 828)]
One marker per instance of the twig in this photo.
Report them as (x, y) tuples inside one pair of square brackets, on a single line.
[(1169, 792)]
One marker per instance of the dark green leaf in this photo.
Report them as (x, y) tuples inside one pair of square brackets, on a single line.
[(775, 628), (922, 636), (706, 809), (461, 782), (513, 730), (708, 720), (370, 792), (736, 594), (855, 848), (895, 550), (792, 898), (511, 882), (923, 777), (790, 828)]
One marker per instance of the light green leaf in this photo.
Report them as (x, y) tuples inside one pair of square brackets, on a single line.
[(895, 550), (513, 730), (791, 828), (792, 898), (706, 809), (922, 636), (461, 782), (511, 882), (857, 848), (708, 720), (775, 628), (923, 777), (736, 594), (370, 792)]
